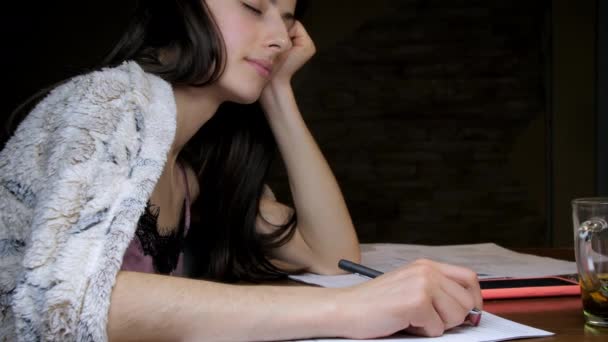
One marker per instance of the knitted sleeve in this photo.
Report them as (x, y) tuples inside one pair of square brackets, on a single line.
[(103, 147)]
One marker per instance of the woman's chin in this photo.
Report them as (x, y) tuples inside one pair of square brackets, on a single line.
[(249, 101), (246, 98)]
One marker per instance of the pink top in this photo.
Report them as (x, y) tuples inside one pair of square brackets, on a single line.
[(138, 258)]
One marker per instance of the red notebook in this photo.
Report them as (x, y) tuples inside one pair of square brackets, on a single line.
[(528, 287)]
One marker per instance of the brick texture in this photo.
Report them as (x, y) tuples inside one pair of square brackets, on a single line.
[(417, 112)]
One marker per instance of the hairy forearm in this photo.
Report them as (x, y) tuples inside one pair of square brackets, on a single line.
[(323, 218), (148, 307)]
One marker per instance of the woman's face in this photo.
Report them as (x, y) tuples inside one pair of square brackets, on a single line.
[(255, 33)]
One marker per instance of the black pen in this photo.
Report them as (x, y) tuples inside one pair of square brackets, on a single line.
[(474, 316)]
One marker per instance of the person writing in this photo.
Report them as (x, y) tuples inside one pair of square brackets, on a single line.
[(133, 203)]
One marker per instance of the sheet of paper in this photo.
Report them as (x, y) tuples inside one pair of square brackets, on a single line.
[(491, 328), (487, 259)]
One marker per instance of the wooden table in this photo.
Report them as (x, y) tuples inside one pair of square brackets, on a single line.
[(560, 315)]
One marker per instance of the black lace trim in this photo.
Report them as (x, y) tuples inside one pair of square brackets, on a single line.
[(164, 250)]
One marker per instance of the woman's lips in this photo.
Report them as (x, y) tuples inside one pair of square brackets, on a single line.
[(262, 67)]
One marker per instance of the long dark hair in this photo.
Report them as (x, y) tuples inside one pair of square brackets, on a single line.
[(231, 153)]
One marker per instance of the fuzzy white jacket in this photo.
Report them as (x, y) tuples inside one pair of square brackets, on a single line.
[(74, 180)]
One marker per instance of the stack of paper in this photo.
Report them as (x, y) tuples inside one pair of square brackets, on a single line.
[(487, 259)]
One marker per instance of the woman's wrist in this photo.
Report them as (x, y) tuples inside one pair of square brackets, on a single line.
[(340, 318), (332, 317), (278, 98)]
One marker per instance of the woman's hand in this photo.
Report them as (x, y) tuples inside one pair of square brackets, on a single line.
[(303, 48), (424, 298), (277, 96)]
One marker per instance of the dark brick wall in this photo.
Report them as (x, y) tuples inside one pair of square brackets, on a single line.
[(417, 113)]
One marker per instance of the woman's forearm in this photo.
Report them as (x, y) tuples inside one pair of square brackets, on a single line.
[(150, 307), (323, 218)]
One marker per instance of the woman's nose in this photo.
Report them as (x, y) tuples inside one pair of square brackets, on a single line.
[(277, 35)]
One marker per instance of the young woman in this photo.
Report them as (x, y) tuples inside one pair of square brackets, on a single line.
[(154, 166)]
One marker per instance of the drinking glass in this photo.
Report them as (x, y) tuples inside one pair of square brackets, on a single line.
[(590, 217)]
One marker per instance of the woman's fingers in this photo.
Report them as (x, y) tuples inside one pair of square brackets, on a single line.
[(452, 303), (426, 322), (461, 275), (302, 48), (437, 296), (463, 296), (300, 37), (442, 295)]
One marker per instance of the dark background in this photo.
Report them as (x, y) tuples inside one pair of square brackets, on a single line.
[(445, 121)]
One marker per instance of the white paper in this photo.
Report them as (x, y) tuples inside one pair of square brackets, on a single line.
[(491, 328), (487, 259)]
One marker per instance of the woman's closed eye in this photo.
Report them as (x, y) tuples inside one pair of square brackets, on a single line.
[(252, 8)]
